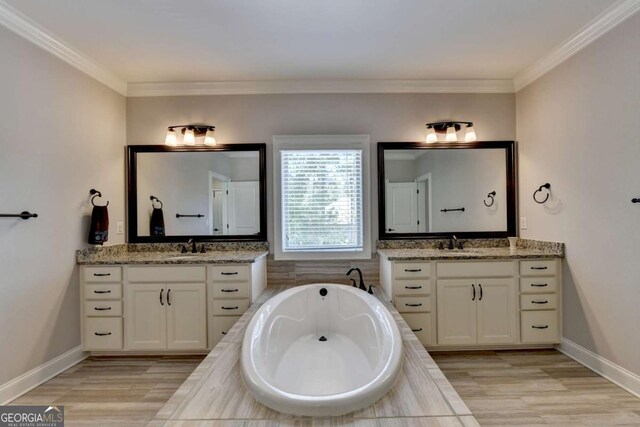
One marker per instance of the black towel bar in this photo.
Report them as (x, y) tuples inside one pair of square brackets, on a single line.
[(189, 216), (452, 210), (23, 215)]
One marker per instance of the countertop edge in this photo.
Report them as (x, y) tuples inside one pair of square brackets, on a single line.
[(249, 260)]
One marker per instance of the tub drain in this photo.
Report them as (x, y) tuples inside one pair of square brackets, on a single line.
[(322, 338)]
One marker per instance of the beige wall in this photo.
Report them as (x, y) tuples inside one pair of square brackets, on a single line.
[(256, 118), (61, 133), (578, 128)]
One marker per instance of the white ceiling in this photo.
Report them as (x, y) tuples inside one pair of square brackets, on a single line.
[(235, 40)]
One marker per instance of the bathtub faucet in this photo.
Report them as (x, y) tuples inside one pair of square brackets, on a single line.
[(362, 286)]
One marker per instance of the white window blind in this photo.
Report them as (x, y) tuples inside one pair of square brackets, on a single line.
[(322, 200)]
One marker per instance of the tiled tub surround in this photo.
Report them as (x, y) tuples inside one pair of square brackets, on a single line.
[(170, 253), (214, 394)]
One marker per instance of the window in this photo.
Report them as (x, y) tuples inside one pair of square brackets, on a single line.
[(323, 190)]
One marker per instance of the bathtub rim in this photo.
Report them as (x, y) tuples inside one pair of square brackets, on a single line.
[(312, 405)]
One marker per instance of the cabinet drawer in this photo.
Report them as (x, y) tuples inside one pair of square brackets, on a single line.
[(538, 285), (413, 304), (538, 302), (411, 270), (476, 269), (230, 290), (230, 307), (102, 274), (413, 287), (230, 273), (102, 333), (538, 268), (421, 325), (196, 273), (103, 291), (539, 327), (103, 308), (221, 326)]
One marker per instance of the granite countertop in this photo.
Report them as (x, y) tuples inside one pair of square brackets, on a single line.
[(215, 395), (408, 250), (170, 254), (471, 253)]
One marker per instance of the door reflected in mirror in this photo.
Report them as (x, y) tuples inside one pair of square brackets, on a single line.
[(443, 190)]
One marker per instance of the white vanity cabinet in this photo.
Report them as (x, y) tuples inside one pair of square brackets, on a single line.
[(477, 303), (161, 308), (163, 313)]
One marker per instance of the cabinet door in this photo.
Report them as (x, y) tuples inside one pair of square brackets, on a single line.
[(456, 312), (145, 321), (497, 311), (186, 316)]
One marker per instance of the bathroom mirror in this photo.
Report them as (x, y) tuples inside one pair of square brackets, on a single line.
[(440, 189), (204, 193)]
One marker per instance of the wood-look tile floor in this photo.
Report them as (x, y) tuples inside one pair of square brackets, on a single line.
[(115, 391), (537, 387)]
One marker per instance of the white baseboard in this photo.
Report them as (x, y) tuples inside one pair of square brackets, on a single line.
[(29, 380), (609, 370)]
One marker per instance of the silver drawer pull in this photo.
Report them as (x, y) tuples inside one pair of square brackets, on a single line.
[(101, 292), (539, 285), (229, 274), (415, 270), (101, 274), (230, 308), (416, 330), (228, 290), (414, 305), (413, 287), (539, 268), (539, 302), (102, 334), (540, 327), (101, 308)]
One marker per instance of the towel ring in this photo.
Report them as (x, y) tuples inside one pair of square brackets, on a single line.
[(96, 193), (155, 199), (491, 196), (548, 187)]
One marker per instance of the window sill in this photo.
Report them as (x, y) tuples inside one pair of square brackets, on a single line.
[(321, 256)]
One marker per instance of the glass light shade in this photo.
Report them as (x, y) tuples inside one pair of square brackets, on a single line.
[(431, 135), (189, 137), (470, 134), (451, 134), (171, 139), (210, 138)]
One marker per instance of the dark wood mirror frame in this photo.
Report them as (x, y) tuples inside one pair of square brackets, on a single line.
[(132, 192), (510, 159)]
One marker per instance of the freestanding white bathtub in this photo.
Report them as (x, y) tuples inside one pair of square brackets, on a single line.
[(321, 350)]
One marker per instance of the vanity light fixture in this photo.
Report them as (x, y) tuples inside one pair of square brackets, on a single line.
[(450, 129), (190, 132)]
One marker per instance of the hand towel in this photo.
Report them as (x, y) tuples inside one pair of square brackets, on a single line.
[(99, 230), (156, 224)]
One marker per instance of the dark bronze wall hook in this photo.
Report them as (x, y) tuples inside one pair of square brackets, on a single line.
[(95, 193), (491, 196), (155, 199), (548, 187)]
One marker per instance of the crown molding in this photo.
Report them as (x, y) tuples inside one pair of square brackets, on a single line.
[(320, 86), (27, 28), (603, 23)]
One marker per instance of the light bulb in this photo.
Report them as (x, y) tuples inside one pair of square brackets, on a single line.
[(431, 135), (210, 137), (451, 134), (171, 140), (470, 134), (189, 137)]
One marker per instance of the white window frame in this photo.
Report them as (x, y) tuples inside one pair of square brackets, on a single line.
[(322, 142)]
